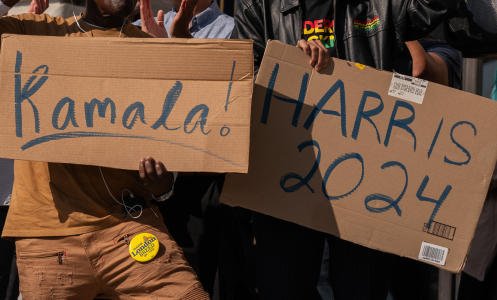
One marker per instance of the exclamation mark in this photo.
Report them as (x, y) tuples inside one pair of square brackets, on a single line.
[(225, 130), (229, 87)]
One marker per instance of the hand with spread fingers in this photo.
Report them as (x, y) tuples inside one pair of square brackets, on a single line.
[(149, 25), (155, 177), (320, 56), (38, 6), (180, 27)]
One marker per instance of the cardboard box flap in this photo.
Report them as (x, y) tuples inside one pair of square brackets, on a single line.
[(182, 61)]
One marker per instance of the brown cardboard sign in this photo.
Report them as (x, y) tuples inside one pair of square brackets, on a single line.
[(332, 151), (111, 101)]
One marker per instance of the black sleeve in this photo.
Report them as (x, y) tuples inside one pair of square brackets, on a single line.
[(414, 19), (473, 29), (249, 25), (451, 57)]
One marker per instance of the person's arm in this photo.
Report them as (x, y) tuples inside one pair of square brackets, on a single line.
[(10, 24), (436, 61), (427, 66), (10, 3), (249, 26)]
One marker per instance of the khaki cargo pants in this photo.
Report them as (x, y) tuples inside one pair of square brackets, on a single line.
[(98, 265)]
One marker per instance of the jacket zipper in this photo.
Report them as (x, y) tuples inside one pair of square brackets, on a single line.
[(300, 24)]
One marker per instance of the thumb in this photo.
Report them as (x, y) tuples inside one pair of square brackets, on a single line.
[(160, 18)]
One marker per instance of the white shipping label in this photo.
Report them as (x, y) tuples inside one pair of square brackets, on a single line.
[(433, 253), (408, 88)]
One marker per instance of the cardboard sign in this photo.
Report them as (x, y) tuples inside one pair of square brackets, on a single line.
[(332, 151), (111, 101)]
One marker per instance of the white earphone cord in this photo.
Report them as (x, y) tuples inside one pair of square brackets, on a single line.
[(127, 208), (75, 19)]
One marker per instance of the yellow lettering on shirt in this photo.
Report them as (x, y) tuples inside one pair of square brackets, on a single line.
[(308, 31)]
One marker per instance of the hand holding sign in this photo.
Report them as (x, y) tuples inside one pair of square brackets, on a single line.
[(320, 56), (155, 177)]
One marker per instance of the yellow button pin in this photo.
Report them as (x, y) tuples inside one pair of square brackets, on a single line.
[(144, 247)]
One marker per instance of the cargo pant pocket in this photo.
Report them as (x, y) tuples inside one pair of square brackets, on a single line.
[(45, 275)]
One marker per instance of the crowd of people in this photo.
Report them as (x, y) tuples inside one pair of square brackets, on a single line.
[(64, 236)]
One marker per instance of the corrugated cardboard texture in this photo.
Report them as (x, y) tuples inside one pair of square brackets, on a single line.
[(374, 178), (110, 101)]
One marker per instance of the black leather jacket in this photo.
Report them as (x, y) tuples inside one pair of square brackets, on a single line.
[(382, 48)]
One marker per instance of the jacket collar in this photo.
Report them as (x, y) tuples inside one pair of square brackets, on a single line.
[(286, 5)]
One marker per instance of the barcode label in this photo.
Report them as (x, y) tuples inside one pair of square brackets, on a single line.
[(433, 253), (408, 88), (441, 230)]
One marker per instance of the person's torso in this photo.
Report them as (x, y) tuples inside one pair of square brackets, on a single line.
[(317, 23), (52, 199), (363, 29)]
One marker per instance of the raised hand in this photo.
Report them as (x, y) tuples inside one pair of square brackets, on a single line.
[(149, 25), (38, 6), (180, 27)]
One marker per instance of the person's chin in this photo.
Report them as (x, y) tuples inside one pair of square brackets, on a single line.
[(124, 12), (120, 8)]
